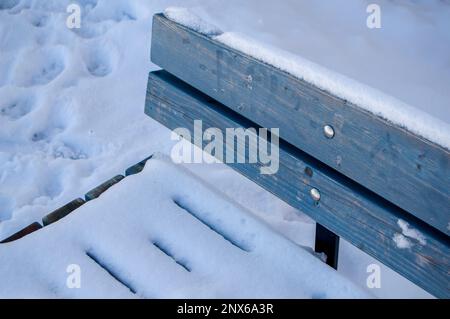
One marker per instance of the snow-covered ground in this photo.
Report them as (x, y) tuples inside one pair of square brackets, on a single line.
[(72, 101)]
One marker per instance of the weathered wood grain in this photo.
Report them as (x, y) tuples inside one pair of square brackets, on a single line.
[(62, 211), (97, 191), (363, 218), (22, 233), (407, 170)]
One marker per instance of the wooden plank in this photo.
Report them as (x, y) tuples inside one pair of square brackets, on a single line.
[(409, 171), (97, 191), (62, 211), (22, 233), (349, 210), (137, 168)]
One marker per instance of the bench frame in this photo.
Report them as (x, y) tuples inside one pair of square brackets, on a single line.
[(366, 199)]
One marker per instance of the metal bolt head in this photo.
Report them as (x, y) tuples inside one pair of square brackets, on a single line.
[(328, 130), (315, 194)]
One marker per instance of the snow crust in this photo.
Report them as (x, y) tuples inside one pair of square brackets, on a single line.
[(370, 99), (159, 236), (373, 100)]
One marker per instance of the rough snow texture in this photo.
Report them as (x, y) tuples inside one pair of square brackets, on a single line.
[(411, 232), (155, 233), (401, 241), (361, 95), (375, 101), (409, 236), (188, 19), (72, 101)]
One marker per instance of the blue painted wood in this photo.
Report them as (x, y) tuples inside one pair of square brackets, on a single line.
[(363, 218), (407, 170)]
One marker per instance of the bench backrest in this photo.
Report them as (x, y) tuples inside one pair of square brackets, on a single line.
[(379, 183)]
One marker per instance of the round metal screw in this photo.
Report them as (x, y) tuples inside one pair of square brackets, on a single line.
[(328, 130), (315, 194)]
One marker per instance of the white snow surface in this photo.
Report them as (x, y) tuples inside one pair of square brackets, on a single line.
[(415, 119), (223, 247), (188, 19), (361, 95), (401, 241), (72, 104)]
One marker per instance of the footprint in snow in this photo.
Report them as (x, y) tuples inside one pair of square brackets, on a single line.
[(8, 4), (90, 31), (100, 60), (47, 134), (45, 129), (87, 5), (39, 20), (68, 151), (118, 12), (16, 107), (39, 67), (100, 17)]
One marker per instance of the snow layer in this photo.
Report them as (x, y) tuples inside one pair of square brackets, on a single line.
[(71, 101), (411, 232), (188, 19), (155, 233), (373, 100), (401, 241)]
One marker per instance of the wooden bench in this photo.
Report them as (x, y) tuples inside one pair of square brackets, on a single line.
[(377, 181)]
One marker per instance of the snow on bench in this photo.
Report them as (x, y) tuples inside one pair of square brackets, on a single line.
[(359, 94), (153, 235), (379, 168), (395, 150)]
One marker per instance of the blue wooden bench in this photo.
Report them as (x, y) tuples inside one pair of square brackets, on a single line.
[(376, 180)]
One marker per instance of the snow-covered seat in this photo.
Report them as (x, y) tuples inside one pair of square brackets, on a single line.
[(154, 235)]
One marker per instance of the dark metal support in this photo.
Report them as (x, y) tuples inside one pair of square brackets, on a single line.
[(327, 242)]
